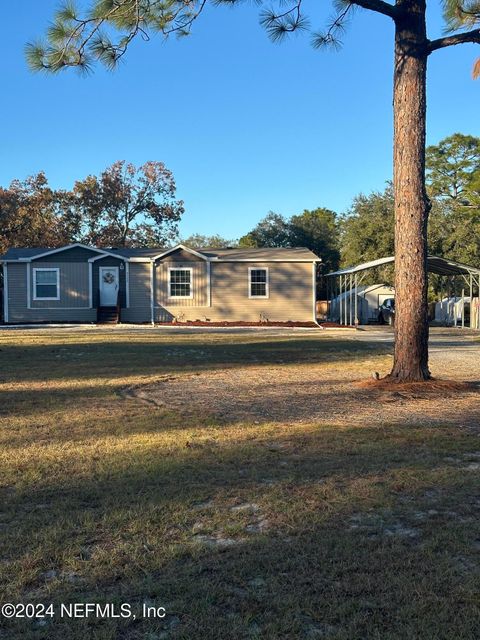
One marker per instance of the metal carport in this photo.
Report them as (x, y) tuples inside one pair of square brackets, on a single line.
[(347, 281)]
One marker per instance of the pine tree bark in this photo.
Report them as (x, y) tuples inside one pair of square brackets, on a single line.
[(411, 201)]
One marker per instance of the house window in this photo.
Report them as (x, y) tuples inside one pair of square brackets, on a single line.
[(46, 284), (258, 283), (180, 283)]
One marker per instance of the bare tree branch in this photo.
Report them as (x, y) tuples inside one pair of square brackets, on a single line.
[(458, 38), (377, 5)]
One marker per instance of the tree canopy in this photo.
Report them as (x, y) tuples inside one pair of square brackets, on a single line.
[(367, 231), (33, 214), (453, 169), (124, 206), (199, 241), (317, 230), (129, 206), (453, 181), (271, 231)]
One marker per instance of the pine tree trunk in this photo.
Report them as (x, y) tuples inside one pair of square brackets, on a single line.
[(411, 201)]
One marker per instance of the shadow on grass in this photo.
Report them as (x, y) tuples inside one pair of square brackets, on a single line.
[(130, 357), (134, 477), (308, 573)]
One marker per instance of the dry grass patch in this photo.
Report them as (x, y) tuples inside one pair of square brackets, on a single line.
[(333, 393)]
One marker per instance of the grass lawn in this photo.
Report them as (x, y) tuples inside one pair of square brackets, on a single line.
[(240, 529)]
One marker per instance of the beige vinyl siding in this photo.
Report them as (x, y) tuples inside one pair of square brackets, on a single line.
[(17, 301), (199, 288), (74, 285), (291, 295), (180, 255), (140, 306)]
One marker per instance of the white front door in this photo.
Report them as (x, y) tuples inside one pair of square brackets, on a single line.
[(108, 286)]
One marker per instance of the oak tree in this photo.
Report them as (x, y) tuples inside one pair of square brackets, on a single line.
[(32, 214), (271, 231), (128, 206)]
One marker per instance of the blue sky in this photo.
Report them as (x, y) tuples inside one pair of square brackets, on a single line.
[(246, 126)]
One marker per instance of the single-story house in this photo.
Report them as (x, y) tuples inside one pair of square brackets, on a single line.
[(78, 283)]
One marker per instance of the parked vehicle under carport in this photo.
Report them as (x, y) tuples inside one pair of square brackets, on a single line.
[(386, 312)]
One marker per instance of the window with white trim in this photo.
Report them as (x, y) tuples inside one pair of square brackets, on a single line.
[(180, 285), (46, 284), (257, 283)]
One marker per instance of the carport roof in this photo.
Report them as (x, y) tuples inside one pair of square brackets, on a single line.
[(435, 264)]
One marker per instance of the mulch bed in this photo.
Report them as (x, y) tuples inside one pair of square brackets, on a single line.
[(202, 323), (431, 387)]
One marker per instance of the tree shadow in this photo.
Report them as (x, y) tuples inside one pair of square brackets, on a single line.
[(311, 566)]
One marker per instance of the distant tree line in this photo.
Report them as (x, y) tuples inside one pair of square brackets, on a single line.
[(453, 185), (366, 230), (129, 206)]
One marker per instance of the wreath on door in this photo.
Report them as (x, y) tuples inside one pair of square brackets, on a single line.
[(108, 278)]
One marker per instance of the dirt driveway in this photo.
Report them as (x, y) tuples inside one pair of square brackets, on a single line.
[(330, 392)]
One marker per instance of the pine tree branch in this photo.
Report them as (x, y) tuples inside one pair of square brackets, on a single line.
[(377, 5), (458, 38)]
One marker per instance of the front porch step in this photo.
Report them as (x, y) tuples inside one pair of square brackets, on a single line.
[(107, 315)]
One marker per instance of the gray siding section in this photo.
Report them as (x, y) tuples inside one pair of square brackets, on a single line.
[(74, 287), (17, 300), (139, 277)]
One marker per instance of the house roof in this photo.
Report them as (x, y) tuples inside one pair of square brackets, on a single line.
[(234, 254), (264, 253), (16, 254)]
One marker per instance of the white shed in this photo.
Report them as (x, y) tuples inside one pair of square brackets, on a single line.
[(369, 300)]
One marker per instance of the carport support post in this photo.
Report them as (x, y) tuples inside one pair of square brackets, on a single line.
[(328, 284), (345, 306), (351, 300), (471, 302), (356, 300), (339, 283), (340, 301), (463, 308), (441, 296), (152, 296), (449, 295)]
